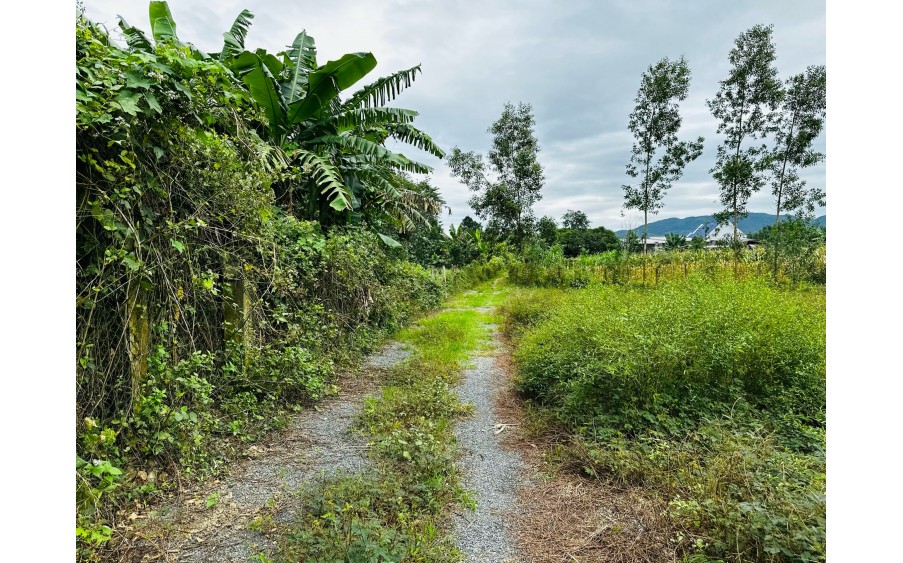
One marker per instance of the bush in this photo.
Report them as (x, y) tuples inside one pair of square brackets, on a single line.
[(713, 393)]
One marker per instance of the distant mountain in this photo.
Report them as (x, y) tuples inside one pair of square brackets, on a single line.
[(685, 226)]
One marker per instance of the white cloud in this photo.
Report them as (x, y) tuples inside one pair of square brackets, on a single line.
[(578, 63)]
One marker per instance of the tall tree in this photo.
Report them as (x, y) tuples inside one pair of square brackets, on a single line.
[(800, 120), (505, 200), (469, 224), (745, 106), (658, 158), (547, 230), (575, 220)]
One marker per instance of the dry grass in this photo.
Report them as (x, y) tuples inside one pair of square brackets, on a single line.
[(568, 517)]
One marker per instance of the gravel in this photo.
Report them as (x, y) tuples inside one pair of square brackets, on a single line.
[(390, 354), (316, 444), (490, 473)]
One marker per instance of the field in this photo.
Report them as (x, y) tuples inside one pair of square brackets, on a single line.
[(249, 243), (709, 395)]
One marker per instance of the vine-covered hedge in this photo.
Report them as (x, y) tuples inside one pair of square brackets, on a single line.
[(203, 310)]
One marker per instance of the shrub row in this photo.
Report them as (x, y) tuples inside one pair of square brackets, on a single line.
[(711, 393)]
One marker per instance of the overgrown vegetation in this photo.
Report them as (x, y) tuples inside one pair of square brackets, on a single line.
[(395, 512), (711, 394), (243, 233), (802, 260), (206, 309)]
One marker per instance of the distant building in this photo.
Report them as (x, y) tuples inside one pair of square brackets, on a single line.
[(653, 243), (720, 236), (715, 237)]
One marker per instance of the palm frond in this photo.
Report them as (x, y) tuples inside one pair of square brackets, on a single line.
[(409, 134), (379, 155), (382, 91), (326, 177), (234, 39), (370, 117)]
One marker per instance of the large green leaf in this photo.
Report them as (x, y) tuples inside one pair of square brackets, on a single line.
[(260, 81), (162, 24), (234, 39), (135, 38), (272, 63), (383, 90), (325, 83), (389, 241), (303, 59)]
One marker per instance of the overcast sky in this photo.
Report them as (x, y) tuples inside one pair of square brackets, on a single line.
[(578, 63)]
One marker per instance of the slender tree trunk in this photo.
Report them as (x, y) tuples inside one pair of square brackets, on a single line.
[(736, 242), (138, 329), (776, 238), (777, 215)]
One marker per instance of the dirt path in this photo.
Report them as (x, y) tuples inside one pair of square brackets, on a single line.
[(564, 515), (491, 473), (215, 521), (530, 509)]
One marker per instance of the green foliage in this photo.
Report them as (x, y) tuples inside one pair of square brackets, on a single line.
[(547, 267), (171, 418), (711, 393), (800, 120), (657, 156), (459, 279), (203, 311), (796, 248), (576, 220), (675, 241), (547, 230), (745, 107), (505, 200), (575, 242)]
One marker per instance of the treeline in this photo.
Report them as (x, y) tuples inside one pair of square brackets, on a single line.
[(241, 231), (768, 126)]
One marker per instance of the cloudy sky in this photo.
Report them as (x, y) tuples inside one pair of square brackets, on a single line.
[(578, 63)]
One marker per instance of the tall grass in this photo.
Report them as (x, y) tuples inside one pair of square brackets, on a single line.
[(711, 394), (549, 268)]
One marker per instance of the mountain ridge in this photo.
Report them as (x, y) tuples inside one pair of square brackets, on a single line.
[(686, 225)]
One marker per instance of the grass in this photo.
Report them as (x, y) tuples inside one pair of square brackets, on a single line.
[(709, 395), (397, 510)]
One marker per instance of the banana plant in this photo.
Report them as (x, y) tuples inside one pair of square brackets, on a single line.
[(336, 148), (343, 142)]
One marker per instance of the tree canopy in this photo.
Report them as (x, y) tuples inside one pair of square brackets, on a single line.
[(657, 157), (745, 107), (505, 195)]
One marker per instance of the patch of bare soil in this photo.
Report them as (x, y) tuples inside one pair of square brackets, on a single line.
[(223, 520), (565, 516)]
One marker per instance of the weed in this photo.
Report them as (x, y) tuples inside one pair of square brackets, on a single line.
[(395, 511), (711, 394)]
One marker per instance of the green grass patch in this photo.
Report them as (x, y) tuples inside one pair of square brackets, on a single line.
[(395, 511), (486, 294), (711, 395)]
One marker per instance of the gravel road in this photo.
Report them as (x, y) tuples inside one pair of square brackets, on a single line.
[(490, 473)]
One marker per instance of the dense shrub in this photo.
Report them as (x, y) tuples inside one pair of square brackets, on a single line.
[(713, 393), (203, 310), (550, 267)]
